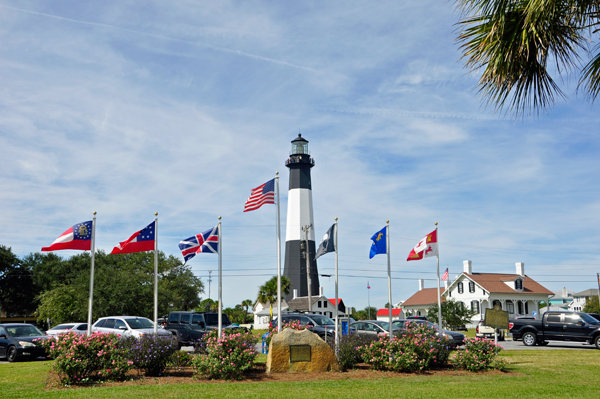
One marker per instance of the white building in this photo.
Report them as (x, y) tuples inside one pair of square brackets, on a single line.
[(516, 293), (580, 298)]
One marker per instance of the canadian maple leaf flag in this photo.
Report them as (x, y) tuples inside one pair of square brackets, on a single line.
[(426, 247)]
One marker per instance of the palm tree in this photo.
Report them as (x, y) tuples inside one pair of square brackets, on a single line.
[(268, 291), (513, 42), (246, 304)]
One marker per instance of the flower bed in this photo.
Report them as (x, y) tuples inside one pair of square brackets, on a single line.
[(479, 354), (228, 356)]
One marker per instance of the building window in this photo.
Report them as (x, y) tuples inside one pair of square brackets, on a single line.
[(518, 284), (471, 286), (475, 306), (460, 288), (319, 304), (511, 307)]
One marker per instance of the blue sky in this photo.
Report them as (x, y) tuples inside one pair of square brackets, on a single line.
[(133, 107)]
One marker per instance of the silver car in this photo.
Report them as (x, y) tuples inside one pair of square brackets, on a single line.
[(127, 326), (373, 328), (79, 328)]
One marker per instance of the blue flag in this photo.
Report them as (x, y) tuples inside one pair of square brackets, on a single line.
[(379, 240)]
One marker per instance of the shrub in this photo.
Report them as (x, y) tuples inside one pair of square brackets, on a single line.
[(82, 359), (150, 353), (348, 353), (479, 354), (180, 359), (294, 325), (418, 348), (228, 356)]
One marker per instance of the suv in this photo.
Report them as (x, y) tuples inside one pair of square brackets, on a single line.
[(321, 325), (188, 327), (127, 326), (212, 321)]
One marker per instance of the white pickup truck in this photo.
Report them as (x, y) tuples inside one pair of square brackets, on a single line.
[(488, 332)]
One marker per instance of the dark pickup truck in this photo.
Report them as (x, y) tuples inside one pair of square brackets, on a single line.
[(557, 326)]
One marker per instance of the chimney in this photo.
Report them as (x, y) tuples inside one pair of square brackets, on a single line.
[(321, 291), (565, 293), (467, 268), (520, 268), (421, 284), (295, 294)]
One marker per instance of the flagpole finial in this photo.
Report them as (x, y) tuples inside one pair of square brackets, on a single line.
[(277, 172), (155, 213), (435, 224), (387, 221), (94, 213), (336, 219), (219, 217)]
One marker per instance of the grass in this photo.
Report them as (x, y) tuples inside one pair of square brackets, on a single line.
[(535, 374)]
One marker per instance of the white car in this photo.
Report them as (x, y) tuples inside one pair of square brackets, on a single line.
[(127, 326), (79, 328)]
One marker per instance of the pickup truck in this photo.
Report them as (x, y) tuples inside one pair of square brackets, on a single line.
[(557, 326)]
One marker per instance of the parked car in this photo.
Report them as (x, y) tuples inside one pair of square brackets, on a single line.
[(188, 327), (18, 341), (455, 338), (78, 328), (374, 328), (488, 332), (212, 321), (127, 326), (416, 318), (595, 316), (557, 326), (321, 325)]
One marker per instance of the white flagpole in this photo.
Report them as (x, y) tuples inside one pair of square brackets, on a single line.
[(278, 256), (220, 325), (89, 326), (438, 282), (155, 273), (389, 268), (337, 326)]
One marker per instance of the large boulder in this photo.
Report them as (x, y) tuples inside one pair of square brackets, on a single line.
[(310, 352)]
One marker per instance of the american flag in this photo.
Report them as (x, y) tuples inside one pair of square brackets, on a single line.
[(445, 276), (204, 242), (260, 195)]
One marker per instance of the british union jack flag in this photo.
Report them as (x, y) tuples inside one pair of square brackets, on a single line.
[(204, 242)]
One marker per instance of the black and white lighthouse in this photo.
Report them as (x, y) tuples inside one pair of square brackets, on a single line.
[(300, 223)]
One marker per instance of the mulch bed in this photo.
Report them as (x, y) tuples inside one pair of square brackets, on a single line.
[(258, 374)]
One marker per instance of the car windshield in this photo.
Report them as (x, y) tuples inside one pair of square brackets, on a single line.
[(385, 325), (589, 319), (23, 331), (63, 327), (322, 320), (139, 323)]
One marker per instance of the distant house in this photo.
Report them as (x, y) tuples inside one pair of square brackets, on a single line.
[(517, 293), (262, 314), (580, 299), (384, 314), (560, 300)]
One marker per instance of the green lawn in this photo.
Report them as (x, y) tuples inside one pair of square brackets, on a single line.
[(535, 374)]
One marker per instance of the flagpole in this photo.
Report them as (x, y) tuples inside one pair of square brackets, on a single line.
[(337, 326), (389, 269), (220, 325), (278, 256), (155, 273), (89, 326), (438, 282)]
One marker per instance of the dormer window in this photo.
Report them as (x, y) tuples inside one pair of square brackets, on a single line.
[(519, 284)]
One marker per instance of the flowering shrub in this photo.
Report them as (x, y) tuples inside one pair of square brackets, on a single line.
[(150, 353), (180, 359), (348, 354), (294, 325), (418, 348), (82, 359), (228, 356), (479, 354)]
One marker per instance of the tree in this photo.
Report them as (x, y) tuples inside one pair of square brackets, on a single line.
[(454, 314), (246, 305), (267, 293), (17, 291), (591, 305), (515, 43), (207, 305), (368, 313)]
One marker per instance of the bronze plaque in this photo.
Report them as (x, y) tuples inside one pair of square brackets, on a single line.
[(299, 353), (496, 318)]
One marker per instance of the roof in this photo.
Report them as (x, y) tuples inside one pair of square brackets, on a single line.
[(586, 293), (386, 312), (301, 303), (426, 296), (494, 283)]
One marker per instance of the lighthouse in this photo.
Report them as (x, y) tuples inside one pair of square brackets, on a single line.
[(300, 223)]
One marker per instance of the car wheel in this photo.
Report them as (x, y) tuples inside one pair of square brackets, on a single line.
[(11, 354), (529, 339), (597, 342)]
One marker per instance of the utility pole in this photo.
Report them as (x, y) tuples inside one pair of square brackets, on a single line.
[(307, 257)]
